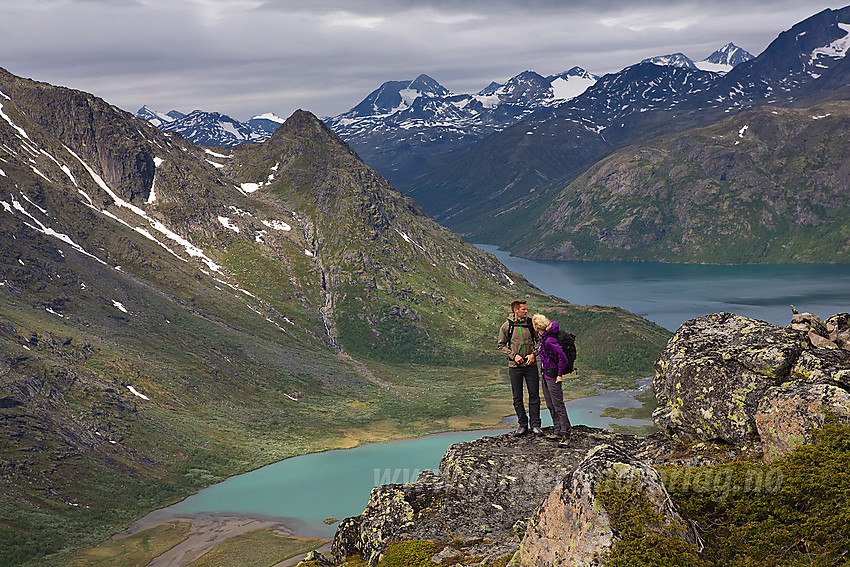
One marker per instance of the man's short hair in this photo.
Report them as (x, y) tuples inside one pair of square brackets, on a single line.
[(515, 304)]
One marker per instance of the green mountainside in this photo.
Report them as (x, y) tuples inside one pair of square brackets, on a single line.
[(765, 186), (171, 315)]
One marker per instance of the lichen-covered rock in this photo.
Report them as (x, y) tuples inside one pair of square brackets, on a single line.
[(821, 366), (315, 559), (713, 373), (477, 503), (391, 510), (787, 414), (572, 526)]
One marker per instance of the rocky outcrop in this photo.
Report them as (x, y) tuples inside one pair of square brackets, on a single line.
[(728, 378), (728, 388), (573, 527), (832, 333), (480, 500)]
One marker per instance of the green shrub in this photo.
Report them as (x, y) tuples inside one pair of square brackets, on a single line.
[(413, 553), (792, 512), (645, 539)]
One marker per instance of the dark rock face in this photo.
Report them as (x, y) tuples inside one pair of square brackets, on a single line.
[(738, 380)]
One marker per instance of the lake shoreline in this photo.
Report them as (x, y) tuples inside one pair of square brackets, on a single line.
[(209, 528)]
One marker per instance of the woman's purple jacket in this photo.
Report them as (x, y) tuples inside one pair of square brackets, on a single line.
[(550, 353)]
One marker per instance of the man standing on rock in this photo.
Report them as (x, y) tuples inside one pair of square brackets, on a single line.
[(517, 341)]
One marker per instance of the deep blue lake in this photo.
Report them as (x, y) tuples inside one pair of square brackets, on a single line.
[(670, 294)]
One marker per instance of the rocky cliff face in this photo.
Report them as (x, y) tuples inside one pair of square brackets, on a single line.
[(479, 502), (727, 387)]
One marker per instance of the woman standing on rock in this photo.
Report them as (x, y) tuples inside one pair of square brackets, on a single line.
[(553, 362)]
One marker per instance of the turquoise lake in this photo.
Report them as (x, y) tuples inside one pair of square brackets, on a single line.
[(306, 490)]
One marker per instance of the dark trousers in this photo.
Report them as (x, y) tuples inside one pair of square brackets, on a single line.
[(554, 394), (529, 375)]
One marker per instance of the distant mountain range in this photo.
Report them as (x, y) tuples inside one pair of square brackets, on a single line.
[(489, 165), (212, 128), (394, 105), (497, 189)]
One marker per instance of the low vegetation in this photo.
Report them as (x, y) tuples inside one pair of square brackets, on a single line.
[(792, 512), (136, 550), (259, 548)]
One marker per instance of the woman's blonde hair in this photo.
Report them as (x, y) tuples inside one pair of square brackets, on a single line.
[(541, 323)]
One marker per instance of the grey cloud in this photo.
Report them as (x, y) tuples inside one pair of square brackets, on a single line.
[(245, 57)]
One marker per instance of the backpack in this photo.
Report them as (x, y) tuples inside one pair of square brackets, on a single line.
[(568, 345), (528, 325)]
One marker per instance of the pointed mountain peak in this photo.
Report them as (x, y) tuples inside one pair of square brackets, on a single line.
[(396, 96), (155, 117), (303, 123), (571, 83), (578, 72), (490, 89), (427, 86), (730, 54)]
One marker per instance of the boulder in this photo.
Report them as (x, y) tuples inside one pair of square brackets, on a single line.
[(833, 333), (787, 414), (391, 511), (727, 378), (713, 373), (572, 526), (315, 559), (479, 501), (823, 366)]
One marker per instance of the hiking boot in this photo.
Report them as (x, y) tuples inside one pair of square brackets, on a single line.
[(521, 430), (553, 436), (537, 431)]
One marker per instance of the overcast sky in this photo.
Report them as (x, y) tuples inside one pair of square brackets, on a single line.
[(247, 57)]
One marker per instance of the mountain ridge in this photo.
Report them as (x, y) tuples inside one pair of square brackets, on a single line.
[(641, 102)]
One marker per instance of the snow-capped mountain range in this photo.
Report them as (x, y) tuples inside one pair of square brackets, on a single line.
[(404, 128), (213, 128), (424, 103), (721, 61), (492, 183), (407, 129)]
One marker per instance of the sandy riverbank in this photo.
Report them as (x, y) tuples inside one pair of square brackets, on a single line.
[(208, 530)]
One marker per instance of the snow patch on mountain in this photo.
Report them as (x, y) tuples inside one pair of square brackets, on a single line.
[(572, 83), (225, 222), (835, 50), (269, 116), (672, 60)]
